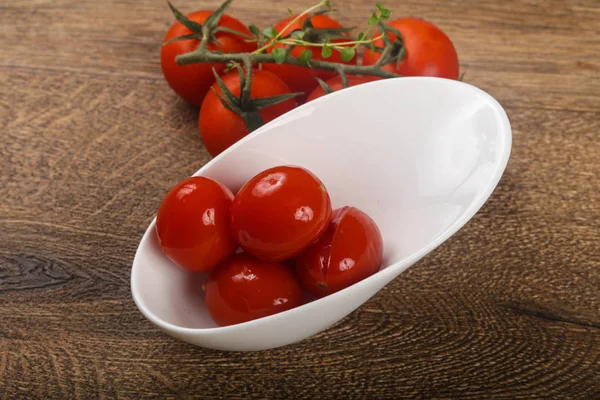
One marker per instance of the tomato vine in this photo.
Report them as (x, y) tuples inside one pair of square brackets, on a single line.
[(319, 38), (275, 47)]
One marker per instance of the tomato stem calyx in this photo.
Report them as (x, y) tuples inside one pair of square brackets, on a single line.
[(204, 32), (326, 88), (245, 106)]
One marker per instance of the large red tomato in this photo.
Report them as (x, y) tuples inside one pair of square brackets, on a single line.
[(279, 212), (429, 52), (220, 128), (302, 79), (193, 224), (193, 81), (243, 288), (336, 84), (350, 250)]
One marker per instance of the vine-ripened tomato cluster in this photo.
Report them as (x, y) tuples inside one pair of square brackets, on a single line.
[(242, 77), (292, 242)]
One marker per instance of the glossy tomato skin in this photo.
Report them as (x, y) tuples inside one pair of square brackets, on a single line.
[(243, 288), (429, 52), (220, 128), (302, 79), (192, 82), (350, 250), (279, 212), (193, 224), (336, 84)]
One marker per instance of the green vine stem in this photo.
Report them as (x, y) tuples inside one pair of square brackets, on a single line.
[(209, 57), (337, 45)]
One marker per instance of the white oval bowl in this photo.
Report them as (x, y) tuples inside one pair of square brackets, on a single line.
[(419, 155)]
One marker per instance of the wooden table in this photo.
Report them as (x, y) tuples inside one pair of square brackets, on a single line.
[(509, 308)]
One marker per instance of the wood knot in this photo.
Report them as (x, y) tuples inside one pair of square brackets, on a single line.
[(23, 272)]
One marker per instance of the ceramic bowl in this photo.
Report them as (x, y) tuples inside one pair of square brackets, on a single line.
[(419, 155)]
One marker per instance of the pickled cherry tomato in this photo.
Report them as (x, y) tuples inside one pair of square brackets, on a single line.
[(280, 212), (350, 250), (243, 288), (193, 224)]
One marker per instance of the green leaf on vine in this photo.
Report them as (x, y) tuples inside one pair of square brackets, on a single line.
[(384, 13), (254, 29), (361, 36), (290, 12), (373, 19), (305, 57), (326, 51), (270, 32), (279, 55), (297, 35), (348, 53)]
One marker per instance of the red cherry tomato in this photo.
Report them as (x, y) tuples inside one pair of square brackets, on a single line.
[(193, 81), (350, 250), (302, 79), (193, 224), (243, 288), (220, 128), (336, 84), (429, 52), (279, 212)]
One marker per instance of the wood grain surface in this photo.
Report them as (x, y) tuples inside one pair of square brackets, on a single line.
[(92, 138)]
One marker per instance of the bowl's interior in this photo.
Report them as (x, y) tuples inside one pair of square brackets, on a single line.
[(415, 154)]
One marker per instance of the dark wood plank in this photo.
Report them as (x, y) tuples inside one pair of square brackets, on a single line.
[(509, 308)]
